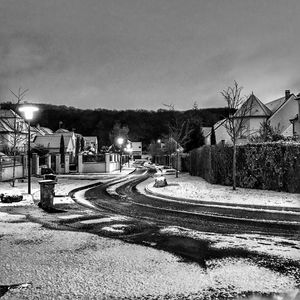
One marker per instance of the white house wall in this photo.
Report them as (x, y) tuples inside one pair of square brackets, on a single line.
[(222, 134), (255, 124), (282, 117)]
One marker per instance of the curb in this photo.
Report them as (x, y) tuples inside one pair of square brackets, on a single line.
[(283, 209)]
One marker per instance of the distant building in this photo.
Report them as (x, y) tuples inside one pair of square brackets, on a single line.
[(136, 149), (91, 143), (52, 142)]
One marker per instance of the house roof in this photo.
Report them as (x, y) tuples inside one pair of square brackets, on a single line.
[(52, 140), (4, 127), (206, 131), (7, 118), (254, 107), (275, 104), (8, 113), (46, 130), (61, 130)]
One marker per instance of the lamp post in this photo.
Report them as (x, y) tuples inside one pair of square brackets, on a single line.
[(28, 111), (177, 158), (120, 142)]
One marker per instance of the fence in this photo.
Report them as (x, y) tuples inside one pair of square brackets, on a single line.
[(270, 166), (93, 158), (8, 167)]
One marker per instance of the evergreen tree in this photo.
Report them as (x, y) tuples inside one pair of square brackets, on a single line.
[(213, 136), (62, 149), (82, 144), (196, 138), (77, 149)]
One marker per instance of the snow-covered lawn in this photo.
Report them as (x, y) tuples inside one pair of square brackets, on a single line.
[(197, 188)]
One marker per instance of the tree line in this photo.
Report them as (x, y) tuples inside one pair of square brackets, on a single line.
[(143, 125)]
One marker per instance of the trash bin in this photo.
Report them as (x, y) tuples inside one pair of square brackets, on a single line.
[(46, 193)]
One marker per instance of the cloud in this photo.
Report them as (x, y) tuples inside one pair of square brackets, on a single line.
[(26, 55)]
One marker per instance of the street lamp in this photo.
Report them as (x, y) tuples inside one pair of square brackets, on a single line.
[(120, 142), (28, 111), (157, 156), (177, 163)]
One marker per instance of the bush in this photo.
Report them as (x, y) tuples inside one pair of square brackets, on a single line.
[(10, 198), (271, 166)]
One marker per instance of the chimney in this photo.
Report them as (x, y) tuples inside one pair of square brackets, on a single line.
[(287, 94)]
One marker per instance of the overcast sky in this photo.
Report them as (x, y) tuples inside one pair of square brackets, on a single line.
[(139, 54)]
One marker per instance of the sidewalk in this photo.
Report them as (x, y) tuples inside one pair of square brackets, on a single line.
[(66, 183)]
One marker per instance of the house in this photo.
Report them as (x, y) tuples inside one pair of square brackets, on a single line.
[(52, 142), (91, 143), (206, 131), (296, 119), (136, 149), (13, 130), (221, 133), (283, 110), (278, 113), (40, 130)]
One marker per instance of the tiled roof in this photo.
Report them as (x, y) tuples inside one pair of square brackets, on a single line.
[(4, 127), (275, 104), (249, 105), (46, 130), (8, 113), (51, 141)]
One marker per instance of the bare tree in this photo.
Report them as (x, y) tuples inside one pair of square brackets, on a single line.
[(179, 133), (16, 137), (179, 130), (236, 124)]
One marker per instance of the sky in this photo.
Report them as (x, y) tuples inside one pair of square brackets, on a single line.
[(142, 54)]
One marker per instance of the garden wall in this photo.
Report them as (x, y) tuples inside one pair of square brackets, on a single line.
[(270, 166)]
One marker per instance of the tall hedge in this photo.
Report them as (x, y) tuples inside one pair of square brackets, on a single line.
[(271, 166)]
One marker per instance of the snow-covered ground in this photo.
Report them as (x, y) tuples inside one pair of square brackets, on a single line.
[(196, 188)]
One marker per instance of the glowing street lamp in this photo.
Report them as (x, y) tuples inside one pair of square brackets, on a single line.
[(120, 142), (28, 111)]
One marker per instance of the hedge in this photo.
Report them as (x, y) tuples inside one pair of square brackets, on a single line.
[(270, 166)]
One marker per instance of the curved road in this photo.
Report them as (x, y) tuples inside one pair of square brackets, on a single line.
[(127, 201)]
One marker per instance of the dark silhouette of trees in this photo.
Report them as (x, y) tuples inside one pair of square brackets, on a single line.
[(143, 125)]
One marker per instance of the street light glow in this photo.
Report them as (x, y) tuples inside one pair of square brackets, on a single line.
[(28, 111), (120, 140)]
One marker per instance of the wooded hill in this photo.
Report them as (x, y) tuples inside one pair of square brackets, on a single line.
[(143, 125)]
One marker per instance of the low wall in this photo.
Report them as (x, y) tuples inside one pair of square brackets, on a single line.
[(7, 172), (93, 167), (113, 166)]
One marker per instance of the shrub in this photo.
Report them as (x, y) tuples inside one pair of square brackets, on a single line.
[(10, 198), (272, 166)]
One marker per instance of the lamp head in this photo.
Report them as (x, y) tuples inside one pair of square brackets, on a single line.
[(120, 140), (28, 111)]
